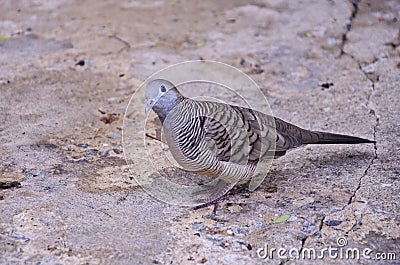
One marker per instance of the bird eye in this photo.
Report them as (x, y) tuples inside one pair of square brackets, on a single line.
[(163, 89)]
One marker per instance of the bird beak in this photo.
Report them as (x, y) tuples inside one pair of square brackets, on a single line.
[(148, 106)]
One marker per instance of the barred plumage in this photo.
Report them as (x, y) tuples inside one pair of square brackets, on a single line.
[(226, 141)]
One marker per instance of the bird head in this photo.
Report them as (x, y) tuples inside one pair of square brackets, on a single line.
[(155, 90)]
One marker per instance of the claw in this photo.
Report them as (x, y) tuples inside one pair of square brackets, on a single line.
[(215, 202)]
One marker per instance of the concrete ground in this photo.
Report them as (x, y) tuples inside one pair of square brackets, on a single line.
[(69, 68)]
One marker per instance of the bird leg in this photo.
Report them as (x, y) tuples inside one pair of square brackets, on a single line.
[(215, 202)]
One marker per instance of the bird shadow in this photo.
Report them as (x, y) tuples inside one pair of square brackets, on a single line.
[(284, 169)]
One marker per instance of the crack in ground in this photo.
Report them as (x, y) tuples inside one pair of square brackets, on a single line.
[(349, 25), (373, 112), (375, 129), (371, 162), (354, 13), (356, 225), (303, 241)]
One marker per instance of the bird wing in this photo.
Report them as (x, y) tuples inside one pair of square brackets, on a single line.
[(242, 135)]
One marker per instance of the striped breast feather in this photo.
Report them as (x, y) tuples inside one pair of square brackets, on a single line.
[(185, 135)]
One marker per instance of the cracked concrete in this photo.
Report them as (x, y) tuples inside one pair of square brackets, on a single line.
[(349, 24), (69, 68)]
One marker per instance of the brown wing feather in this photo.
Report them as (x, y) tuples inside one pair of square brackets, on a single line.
[(249, 135)]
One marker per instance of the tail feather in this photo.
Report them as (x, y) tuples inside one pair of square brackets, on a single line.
[(332, 138)]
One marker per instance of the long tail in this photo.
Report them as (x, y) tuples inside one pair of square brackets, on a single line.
[(331, 138)]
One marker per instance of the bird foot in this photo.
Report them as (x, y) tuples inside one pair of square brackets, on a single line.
[(215, 202)]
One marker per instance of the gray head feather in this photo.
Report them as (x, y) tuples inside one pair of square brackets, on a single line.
[(162, 96)]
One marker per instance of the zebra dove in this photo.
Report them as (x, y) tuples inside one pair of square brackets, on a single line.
[(223, 140)]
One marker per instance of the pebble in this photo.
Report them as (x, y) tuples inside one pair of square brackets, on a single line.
[(332, 222), (240, 241), (317, 234), (242, 230), (368, 69), (307, 226), (117, 151), (215, 239), (244, 247), (21, 238), (116, 136), (213, 217), (332, 42), (80, 63), (105, 153), (91, 152), (9, 184), (196, 226), (260, 224), (302, 235)]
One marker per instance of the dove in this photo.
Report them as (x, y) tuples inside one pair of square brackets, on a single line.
[(226, 141)]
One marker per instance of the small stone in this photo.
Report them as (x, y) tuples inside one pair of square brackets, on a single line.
[(91, 152), (260, 225), (332, 222), (215, 218), (197, 226), (368, 69), (109, 118), (307, 226), (116, 136), (242, 230), (326, 85), (215, 239), (80, 63), (9, 184), (105, 154), (332, 42), (82, 145), (117, 151), (317, 234), (302, 235), (244, 247)]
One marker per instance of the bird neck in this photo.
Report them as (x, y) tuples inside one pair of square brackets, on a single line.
[(167, 102)]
